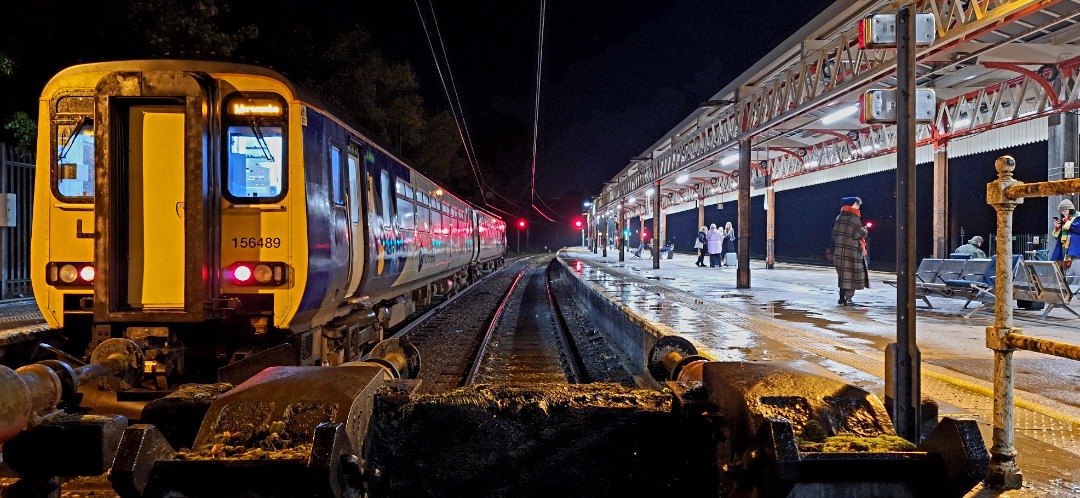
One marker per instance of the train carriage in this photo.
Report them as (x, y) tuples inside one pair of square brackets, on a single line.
[(214, 212)]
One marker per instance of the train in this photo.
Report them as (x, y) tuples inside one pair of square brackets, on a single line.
[(222, 219)]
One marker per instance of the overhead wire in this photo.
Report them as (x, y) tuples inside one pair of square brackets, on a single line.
[(457, 110), (536, 102)]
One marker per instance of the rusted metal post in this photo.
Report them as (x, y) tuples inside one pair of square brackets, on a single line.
[(906, 395), (941, 201), (1003, 470), (742, 278)]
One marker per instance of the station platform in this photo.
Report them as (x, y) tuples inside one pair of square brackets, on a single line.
[(791, 312)]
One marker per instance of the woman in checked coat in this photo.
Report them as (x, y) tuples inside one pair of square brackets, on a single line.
[(849, 252)]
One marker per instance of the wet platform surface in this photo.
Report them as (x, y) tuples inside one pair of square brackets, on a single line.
[(790, 312)]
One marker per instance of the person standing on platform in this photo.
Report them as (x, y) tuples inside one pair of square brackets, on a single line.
[(849, 250), (713, 240), (728, 245), (1067, 250), (972, 248), (699, 244)]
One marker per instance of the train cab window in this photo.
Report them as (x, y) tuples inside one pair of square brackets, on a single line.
[(74, 174), (255, 149)]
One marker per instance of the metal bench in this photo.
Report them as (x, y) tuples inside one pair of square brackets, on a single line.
[(1043, 281)]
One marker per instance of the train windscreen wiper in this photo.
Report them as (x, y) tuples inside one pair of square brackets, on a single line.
[(76, 131), (255, 130)]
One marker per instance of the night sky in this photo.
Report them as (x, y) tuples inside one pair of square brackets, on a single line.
[(616, 75)]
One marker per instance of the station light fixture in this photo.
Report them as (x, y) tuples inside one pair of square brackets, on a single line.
[(729, 160), (682, 178), (879, 30), (840, 114), (879, 106)]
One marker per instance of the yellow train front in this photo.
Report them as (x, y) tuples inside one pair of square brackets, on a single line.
[(221, 219)]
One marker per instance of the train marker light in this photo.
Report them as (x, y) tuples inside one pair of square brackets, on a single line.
[(242, 273), (257, 273), (70, 274)]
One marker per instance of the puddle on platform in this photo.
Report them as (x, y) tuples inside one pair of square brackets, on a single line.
[(660, 278), (779, 309)]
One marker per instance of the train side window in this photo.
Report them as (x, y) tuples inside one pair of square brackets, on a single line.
[(75, 158), (354, 183), (405, 213), (422, 212), (384, 189), (337, 186)]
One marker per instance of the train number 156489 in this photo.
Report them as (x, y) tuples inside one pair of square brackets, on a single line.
[(249, 242)]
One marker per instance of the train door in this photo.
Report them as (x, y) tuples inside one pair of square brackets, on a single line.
[(155, 200), (151, 251), (356, 219)]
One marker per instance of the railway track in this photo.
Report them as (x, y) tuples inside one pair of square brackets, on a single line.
[(527, 340)]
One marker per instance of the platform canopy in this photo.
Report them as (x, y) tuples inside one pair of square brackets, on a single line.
[(994, 64)]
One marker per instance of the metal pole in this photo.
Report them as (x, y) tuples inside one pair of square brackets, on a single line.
[(770, 227), (906, 396), (656, 229), (742, 273), (1003, 470), (605, 241), (620, 226), (519, 241)]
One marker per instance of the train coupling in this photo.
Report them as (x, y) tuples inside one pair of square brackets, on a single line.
[(796, 429), (287, 431)]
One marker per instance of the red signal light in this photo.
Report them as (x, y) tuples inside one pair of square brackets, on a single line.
[(869, 224), (242, 273), (521, 223), (577, 224)]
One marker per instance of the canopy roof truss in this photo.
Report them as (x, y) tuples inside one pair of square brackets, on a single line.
[(993, 63)]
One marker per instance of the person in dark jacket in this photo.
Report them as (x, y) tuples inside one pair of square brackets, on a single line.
[(973, 248), (699, 244), (849, 251)]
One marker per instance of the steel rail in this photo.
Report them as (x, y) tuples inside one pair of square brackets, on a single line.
[(478, 360), (578, 373)]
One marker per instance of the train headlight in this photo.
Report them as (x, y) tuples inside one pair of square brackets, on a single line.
[(263, 274), (68, 274), (73, 274), (257, 273)]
